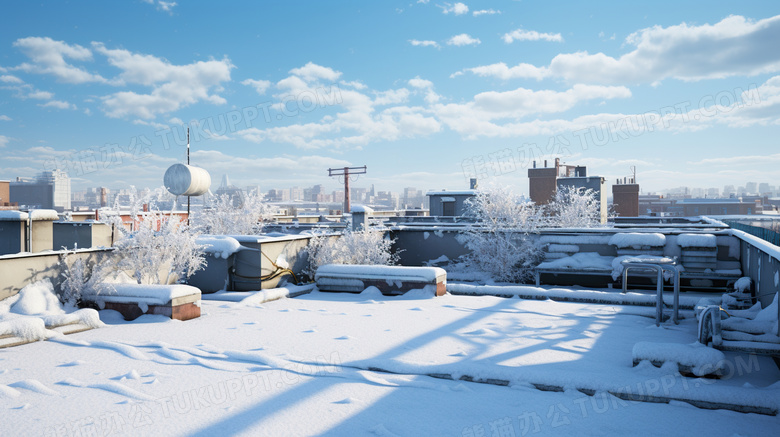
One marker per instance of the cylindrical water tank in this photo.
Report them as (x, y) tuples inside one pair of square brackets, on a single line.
[(186, 180)]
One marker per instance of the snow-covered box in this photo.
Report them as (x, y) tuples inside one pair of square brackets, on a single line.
[(699, 252), (390, 280), (177, 301)]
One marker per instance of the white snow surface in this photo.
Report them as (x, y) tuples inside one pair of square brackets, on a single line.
[(580, 261), (37, 298), (149, 294), (44, 214), (12, 215), (768, 314), (637, 240), (377, 271), (702, 359), (28, 313), (743, 284), (220, 246), (697, 240), (309, 366), (361, 209)]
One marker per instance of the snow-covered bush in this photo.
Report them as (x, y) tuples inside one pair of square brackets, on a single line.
[(500, 240), (574, 207), (81, 277), (369, 247), (162, 249), (226, 217)]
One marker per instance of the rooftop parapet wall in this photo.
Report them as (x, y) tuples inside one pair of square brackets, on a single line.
[(761, 262), (19, 270)]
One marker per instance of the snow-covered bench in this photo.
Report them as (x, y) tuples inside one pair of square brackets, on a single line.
[(390, 280), (177, 301)]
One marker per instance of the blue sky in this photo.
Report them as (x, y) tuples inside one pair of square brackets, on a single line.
[(425, 94)]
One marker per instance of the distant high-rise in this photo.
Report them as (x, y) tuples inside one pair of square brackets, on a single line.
[(49, 190), (235, 193)]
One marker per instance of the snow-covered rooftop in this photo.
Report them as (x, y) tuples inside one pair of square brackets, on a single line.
[(343, 364)]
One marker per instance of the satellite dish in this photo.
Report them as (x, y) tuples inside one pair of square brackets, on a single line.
[(186, 180)]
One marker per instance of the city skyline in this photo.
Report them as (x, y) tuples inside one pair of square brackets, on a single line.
[(424, 94)]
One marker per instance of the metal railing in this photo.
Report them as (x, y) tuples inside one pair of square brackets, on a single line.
[(762, 233)]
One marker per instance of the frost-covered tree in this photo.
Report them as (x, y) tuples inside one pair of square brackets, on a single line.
[(162, 249), (574, 207), (226, 217), (500, 240), (370, 247), (82, 277)]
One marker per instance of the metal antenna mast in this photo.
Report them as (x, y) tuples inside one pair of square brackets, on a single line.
[(346, 171), (188, 163)]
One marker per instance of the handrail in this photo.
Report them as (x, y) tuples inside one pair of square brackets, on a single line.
[(762, 233), (659, 264)]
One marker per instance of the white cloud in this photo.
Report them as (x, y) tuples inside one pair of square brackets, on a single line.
[(354, 84), (259, 85), (40, 95), (486, 12), (162, 5), (4, 140), (732, 47), (425, 43), (531, 35), (391, 97), (737, 160), (501, 71), (462, 40), (457, 8), (166, 6), (423, 84), (5, 118), (361, 118), (153, 124), (498, 114), (311, 72), (173, 86), (521, 102), (48, 57), (7, 78), (59, 104), (420, 83)]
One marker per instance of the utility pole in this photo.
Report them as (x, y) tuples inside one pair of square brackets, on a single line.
[(346, 171)]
